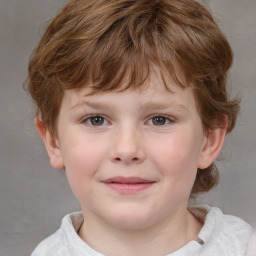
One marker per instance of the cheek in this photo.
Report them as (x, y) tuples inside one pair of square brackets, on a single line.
[(177, 162), (82, 161), (177, 157)]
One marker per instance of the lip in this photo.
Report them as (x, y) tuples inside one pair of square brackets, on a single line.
[(128, 185)]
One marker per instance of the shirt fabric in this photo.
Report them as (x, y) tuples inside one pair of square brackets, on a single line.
[(221, 234)]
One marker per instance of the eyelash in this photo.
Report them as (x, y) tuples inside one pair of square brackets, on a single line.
[(88, 118), (167, 120)]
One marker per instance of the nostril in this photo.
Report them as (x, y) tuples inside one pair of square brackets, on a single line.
[(134, 159), (127, 156)]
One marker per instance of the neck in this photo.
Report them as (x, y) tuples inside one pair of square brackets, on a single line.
[(162, 238)]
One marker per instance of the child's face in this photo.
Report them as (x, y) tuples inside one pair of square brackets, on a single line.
[(131, 157)]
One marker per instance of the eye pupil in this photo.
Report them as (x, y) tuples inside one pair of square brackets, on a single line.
[(159, 120), (97, 120)]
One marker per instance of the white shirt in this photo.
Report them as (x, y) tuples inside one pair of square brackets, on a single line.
[(221, 235)]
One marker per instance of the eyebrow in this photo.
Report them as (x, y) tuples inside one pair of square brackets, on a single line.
[(91, 104), (147, 105), (162, 106)]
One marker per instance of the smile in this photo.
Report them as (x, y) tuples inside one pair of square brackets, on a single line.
[(128, 185)]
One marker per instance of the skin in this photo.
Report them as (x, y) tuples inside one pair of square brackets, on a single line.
[(152, 134)]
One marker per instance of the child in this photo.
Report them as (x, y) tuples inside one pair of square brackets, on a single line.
[(131, 100)]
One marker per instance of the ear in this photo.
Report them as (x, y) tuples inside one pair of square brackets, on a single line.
[(213, 144), (51, 144)]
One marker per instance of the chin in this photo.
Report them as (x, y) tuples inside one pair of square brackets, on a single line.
[(131, 221)]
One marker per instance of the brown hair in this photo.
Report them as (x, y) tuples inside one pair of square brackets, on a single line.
[(108, 43)]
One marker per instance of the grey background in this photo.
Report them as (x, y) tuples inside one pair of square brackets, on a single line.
[(34, 197)]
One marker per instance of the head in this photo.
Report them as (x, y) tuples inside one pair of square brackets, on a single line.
[(116, 46)]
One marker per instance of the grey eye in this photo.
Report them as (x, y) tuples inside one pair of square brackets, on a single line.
[(96, 120), (159, 120)]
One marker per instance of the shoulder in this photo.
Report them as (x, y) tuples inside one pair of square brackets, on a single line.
[(233, 233), (217, 222), (52, 245), (60, 243), (223, 234), (236, 225), (251, 250)]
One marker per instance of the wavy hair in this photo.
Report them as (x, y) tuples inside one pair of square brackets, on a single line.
[(111, 43)]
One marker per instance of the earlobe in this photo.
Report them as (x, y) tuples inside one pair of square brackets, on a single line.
[(51, 144), (213, 145)]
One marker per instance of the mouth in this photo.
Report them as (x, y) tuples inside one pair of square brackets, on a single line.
[(128, 185)]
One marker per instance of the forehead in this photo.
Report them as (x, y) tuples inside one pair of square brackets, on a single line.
[(155, 92)]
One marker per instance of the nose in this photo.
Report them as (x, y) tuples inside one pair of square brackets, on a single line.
[(128, 146)]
